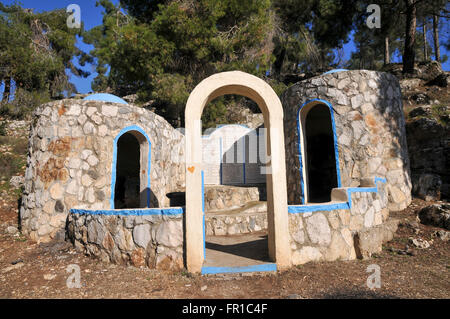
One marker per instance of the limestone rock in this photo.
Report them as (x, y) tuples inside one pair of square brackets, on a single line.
[(17, 181), (306, 254), (142, 235), (419, 243), (319, 231), (170, 234)]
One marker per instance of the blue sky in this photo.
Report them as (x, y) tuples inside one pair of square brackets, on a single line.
[(92, 16)]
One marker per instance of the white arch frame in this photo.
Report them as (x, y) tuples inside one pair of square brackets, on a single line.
[(240, 83)]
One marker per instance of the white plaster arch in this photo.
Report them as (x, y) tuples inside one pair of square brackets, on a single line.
[(240, 83)]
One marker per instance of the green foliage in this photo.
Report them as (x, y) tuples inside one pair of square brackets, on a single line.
[(309, 32), (163, 57), (3, 124), (13, 157), (36, 49), (441, 113), (24, 103), (370, 43), (215, 113)]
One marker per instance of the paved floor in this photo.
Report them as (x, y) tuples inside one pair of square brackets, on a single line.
[(237, 251)]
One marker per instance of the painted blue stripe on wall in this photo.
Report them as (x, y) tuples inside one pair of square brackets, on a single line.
[(114, 162), (380, 179), (314, 208), (221, 158), (131, 212), (253, 268), (203, 210), (243, 164), (295, 209)]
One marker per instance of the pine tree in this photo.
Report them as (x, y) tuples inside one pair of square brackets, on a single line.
[(164, 56), (36, 49)]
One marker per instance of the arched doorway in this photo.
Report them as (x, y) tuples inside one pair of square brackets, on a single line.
[(319, 154), (130, 185), (244, 84)]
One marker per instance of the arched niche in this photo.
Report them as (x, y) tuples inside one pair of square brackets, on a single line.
[(318, 151), (124, 154)]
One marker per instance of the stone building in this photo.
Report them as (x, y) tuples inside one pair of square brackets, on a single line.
[(125, 186), (89, 154), (342, 127)]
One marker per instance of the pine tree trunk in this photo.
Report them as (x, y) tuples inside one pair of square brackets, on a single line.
[(437, 50), (387, 54), (410, 37), (425, 52), (7, 91)]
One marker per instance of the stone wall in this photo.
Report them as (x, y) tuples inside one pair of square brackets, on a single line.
[(154, 241), (341, 234), (370, 129), (225, 197), (251, 218), (70, 161)]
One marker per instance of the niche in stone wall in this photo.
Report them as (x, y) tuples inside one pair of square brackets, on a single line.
[(130, 176), (320, 170)]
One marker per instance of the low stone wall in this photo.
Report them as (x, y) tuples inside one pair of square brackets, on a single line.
[(155, 241), (224, 197), (339, 233), (354, 225), (251, 218)]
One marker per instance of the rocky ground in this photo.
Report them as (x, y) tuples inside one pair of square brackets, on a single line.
[(29, 270)]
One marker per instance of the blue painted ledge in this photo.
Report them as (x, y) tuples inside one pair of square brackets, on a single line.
[(253, 268), (131, 212), (295, 209)]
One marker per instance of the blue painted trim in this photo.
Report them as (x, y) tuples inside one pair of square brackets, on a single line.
[(204, 217), (253, 268), (302, 184), (314, 208), (295, 209), (221, 168), (243, 164), (336, 150), (131, 212), (114, 163), (359, 190), (380, 179)]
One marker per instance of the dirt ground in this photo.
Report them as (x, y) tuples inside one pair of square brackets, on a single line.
[(29, 270)]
